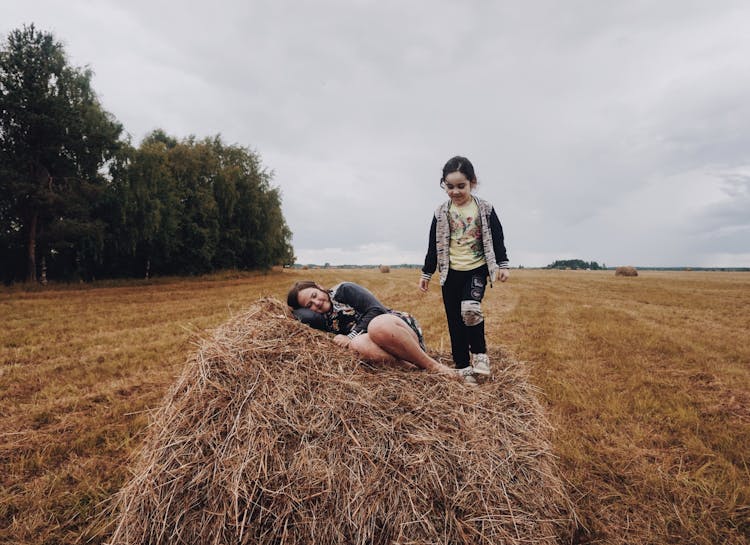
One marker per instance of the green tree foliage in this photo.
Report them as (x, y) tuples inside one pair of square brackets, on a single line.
[(54, 139), (191, 207), (574, 264), (76, 197)]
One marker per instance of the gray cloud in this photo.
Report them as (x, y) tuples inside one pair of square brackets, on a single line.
[(601, 131)]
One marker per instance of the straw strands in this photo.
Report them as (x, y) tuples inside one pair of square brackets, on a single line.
[(626, 271), (274, 435)]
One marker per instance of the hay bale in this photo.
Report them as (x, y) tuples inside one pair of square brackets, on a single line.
[(626, 271), (384, 268), (272, 434)]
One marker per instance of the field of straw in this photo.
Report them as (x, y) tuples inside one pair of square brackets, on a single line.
[(635, 392)]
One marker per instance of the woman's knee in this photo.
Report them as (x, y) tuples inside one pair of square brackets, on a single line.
[(382, 320), (381, 326), (387, 327)]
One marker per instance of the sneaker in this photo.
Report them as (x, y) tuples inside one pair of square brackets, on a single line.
[(467, 374), (481, 364)]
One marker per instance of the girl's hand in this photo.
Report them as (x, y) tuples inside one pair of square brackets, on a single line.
[(500, 274), (342, 340), (424, 284)]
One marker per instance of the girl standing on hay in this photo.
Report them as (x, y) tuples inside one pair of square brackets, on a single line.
[(467, 246), (362, 323)]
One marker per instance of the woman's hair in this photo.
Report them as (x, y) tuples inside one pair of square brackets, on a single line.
[(459, 164), (292, 298)]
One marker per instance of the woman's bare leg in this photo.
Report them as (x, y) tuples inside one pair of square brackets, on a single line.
[(370, 351), (365, 347), (394, 337)]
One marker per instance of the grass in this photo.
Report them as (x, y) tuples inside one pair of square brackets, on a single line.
[(647, 381)]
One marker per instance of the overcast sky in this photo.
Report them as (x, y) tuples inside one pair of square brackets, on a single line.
[(610, 131)]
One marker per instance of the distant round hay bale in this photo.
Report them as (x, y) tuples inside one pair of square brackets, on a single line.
[(384, 269), (626, 271), (305, 267), (273, 434)]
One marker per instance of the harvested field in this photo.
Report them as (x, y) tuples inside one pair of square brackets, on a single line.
[(645, 382), (274, 435)]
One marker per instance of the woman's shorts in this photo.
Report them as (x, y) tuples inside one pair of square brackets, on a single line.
[(412, 323)]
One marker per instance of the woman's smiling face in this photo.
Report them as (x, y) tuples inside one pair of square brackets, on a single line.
[(315, 298)]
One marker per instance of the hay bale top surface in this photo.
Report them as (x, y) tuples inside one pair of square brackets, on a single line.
[(273, 434), (626, 271)]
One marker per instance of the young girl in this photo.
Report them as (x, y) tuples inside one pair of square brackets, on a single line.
[(466, 245), (363, 324)]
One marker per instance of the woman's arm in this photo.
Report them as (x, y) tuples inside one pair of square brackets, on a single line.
[(309, 317), (361, 300)]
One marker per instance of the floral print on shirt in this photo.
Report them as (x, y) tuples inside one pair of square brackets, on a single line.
[(465, 231), (341, 318)]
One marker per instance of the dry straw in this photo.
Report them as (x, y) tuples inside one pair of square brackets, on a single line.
[(275, 435), (626, 271)]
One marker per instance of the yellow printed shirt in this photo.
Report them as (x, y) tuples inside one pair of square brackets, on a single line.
[(466, 250)]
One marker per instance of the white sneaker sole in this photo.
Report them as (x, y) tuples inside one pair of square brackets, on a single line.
[(467, 374), (482, 370)]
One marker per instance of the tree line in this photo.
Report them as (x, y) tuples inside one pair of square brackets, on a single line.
[(79, 201), (575, 264)]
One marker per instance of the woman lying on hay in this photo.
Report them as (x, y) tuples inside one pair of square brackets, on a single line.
[(363, 324)]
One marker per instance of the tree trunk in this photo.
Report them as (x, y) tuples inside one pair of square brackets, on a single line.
[(43, 181), (31, 255)]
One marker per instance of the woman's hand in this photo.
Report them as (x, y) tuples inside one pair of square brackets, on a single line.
[(342, 340), (424, 284)]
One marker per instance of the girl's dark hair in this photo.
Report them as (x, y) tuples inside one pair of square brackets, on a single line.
[(292, 298), (459, 164)]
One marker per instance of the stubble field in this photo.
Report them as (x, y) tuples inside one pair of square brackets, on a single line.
[(646, 380)]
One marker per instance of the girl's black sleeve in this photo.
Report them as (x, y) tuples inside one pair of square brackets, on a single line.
[(361, 300), (430, 260), (498, 241)]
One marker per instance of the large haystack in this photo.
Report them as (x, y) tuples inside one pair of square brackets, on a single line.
[(274, 435), (626, 271)]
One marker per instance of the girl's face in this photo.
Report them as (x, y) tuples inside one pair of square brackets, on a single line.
[(458, 188), (315, 299)]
